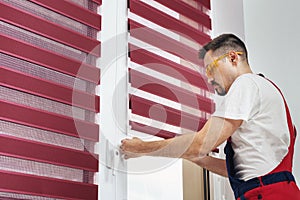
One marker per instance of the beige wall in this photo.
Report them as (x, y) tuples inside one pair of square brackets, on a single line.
[(193, 185)]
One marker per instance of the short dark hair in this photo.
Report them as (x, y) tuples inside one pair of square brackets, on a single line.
[(223, 44)]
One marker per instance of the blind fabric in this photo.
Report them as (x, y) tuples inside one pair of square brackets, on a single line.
[(48, 102), (169, 93)]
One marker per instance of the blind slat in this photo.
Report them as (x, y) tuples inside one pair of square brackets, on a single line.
[(40, 87), (47, 187), (168, 67), (141, 106), (163, 89), (73, 11), (188, 11), (48, 59), (48, 29), (48, 121), (151, 130), (158, 17), (205, 3), (163, 42), (99, 2), (37, 151)]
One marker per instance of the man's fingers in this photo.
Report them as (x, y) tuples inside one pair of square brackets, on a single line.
[(129, 148), (124, 140)]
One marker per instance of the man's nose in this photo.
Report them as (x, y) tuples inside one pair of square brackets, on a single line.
[(210, 79)]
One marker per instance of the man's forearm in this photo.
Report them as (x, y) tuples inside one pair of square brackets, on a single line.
[(166, 149), (214, 165), (178, 147)]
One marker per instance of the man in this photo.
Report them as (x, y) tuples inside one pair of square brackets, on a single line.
[(253, 118)]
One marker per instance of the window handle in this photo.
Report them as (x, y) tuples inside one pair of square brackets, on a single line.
[(112, 157)]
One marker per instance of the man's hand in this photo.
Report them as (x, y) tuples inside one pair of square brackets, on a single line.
[(132, 148)]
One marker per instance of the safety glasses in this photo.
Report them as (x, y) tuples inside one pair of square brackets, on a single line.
[(214, 64)]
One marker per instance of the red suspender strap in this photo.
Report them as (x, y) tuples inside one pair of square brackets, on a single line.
[(287, 162)]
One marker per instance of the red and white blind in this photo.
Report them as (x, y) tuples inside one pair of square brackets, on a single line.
[(169, 94), (48, 103)]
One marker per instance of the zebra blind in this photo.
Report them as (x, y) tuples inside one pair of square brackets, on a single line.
[(48, 76), (169, 94)]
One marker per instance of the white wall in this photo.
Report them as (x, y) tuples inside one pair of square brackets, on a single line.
[(227, 17), (272, 36)]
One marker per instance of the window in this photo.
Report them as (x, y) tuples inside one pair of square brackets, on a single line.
[(168, 91)]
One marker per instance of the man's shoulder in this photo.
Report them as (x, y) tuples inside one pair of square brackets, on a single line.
[(246, 80), (251, 79)]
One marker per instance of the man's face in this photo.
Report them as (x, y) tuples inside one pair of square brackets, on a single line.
[(215, 72)]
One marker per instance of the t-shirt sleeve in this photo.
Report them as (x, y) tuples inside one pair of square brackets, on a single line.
[(241, 101)]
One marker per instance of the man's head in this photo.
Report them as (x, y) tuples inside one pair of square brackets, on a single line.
[(225, 58)]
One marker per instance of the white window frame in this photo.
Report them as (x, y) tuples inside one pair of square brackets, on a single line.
[(112, 177)]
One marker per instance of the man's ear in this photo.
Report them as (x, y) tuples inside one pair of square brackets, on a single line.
[(233, 57)]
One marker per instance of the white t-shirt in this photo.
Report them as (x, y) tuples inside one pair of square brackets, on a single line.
[(262, 141)]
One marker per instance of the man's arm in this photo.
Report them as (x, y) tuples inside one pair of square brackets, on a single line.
[(214, 165), (188, 146)]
